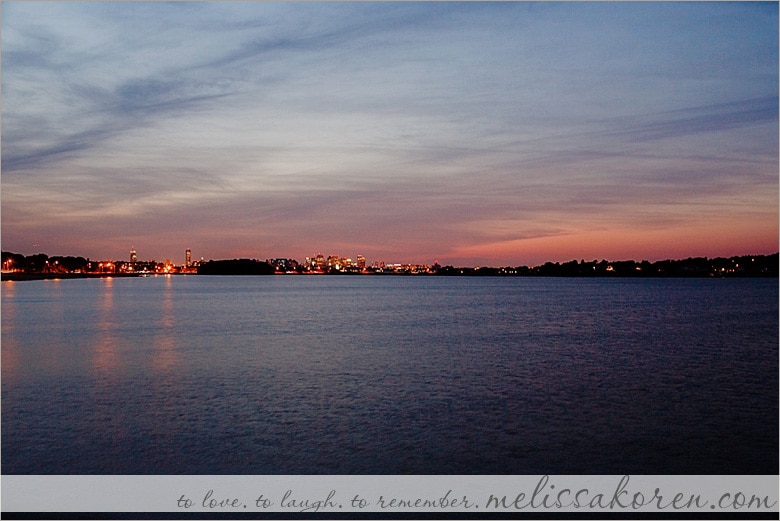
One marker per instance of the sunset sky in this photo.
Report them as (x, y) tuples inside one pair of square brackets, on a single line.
[(468, 133)]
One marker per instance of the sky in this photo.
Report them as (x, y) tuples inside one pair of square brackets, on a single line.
[(499, 134)]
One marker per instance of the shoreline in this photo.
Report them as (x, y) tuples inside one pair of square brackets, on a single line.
[(16, 277), (19, 277)]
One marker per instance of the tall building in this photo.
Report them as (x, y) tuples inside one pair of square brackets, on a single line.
[(319, 261), (133, 256), (361, 262), (334, 262), (188, 258)]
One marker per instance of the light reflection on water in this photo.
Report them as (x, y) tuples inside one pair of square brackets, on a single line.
[(106, 359), (165, 339), (10, 355), (389, 375)]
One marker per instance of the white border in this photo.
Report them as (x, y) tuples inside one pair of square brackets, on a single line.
[(443, 494)]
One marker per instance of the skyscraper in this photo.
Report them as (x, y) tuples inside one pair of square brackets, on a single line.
[(133, 256), (319, 262), (188, 258)]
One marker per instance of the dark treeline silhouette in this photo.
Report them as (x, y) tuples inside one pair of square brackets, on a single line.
[(235, 267), (741, 266), (42, 263)]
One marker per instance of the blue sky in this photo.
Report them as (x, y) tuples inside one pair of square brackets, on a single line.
[(469, 133)]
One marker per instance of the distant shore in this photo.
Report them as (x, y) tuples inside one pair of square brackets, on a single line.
[(19, 276), (42, 267)]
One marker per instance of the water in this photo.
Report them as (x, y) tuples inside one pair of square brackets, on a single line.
[(389, 375)]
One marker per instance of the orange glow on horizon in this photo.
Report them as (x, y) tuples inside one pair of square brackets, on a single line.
[(653, 245)]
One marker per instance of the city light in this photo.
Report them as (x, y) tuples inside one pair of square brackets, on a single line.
[(19, 266)]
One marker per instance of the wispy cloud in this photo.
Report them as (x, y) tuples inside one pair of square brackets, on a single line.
[(700, 119)]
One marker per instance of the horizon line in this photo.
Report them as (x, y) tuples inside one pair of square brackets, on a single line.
[(435, 262)]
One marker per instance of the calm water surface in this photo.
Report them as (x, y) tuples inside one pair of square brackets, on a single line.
[(389, 375)]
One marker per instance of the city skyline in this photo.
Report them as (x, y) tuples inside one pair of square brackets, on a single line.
[(497, 134), (42, 266)]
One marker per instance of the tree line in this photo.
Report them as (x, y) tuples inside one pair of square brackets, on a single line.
[(739, 266)]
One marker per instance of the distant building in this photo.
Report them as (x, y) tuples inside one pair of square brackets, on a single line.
[(319, 262), (334, 262), (133, 256), (283, 265), (188, 258)]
